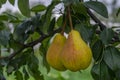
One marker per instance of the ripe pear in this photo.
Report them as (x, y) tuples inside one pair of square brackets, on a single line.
[(76, 55), (54, 51)]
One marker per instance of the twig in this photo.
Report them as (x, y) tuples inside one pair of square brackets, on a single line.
[(102, 26), (31, 44), (64, 24), (69, 16)]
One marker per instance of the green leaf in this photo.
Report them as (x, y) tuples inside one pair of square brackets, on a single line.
[(47, 17), (3, 18), (43, 50), (112, 58), (12, 1), (100, 71), (26, 75), (38, 8), (1, 73), (33, 37), (97, 50), (4, 37), (13, 44), (85, 31), (21, 31), (18, 75), (24, 7), (117, 73), (99, 7), (2, 26), (2, 2), (106, 36), (67, 2), (51, 26), (60, 21), (33, 68), (118, 12), (80, 8)]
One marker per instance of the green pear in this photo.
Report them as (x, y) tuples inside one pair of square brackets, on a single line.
[(76, 55), (54, 51)]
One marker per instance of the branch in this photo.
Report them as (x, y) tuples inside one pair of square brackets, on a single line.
[(102, 26), (31, 44)]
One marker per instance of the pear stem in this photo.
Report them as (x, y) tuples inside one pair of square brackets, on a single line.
[(64, 24), (70, 19)]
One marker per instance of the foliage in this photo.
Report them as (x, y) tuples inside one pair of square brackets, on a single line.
[(38, 25)]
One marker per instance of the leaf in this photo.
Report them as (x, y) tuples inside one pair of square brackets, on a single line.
[(106, 36), (51, 26), (12, 1), (67, 2), (21, 58), (3, 18), (24, 7), (2, 26), (47, 16), (33, 68), (2, 2), (100, 71), (59, 21), (26, 75), (4, 37), (112, 58), (117, 74), (97, 50), (80, 8), (43, 50), (21, 31), (99, 7), (1, 73), (18, 75), (118, 12), (38, 8), (85, 31)]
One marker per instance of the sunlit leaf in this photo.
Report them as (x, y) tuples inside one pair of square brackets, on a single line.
[(24, 7), (52, 25), (38, 8)]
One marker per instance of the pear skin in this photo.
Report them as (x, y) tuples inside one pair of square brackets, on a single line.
[(54, 51), (76, 55)]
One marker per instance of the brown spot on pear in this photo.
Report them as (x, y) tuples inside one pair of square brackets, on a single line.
[(54, 51), (76, 55)]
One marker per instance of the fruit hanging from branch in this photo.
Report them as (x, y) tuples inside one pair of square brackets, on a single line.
[(76, 55), (54, 51)]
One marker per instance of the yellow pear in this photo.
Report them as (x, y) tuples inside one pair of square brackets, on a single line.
[(54, 51), (76, 55)]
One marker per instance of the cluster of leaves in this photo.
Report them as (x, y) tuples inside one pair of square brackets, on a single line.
[(32, 30)]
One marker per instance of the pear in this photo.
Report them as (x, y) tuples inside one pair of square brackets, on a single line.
[(54, 51), (76, 55)]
